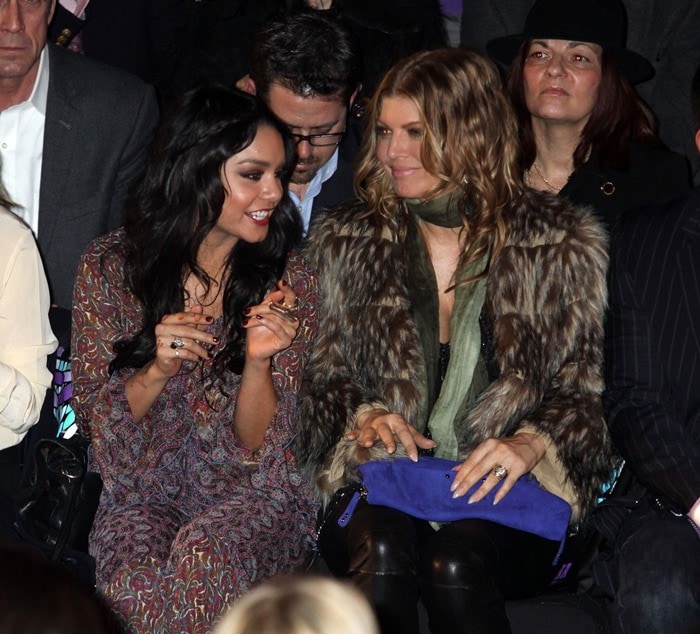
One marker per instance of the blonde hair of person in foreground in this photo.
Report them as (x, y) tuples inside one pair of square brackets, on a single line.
[(300, 605)]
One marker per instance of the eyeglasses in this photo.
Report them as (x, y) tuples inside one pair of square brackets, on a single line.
[(319, 140)]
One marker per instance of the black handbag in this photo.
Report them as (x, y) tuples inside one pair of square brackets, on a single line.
[(57, 504)]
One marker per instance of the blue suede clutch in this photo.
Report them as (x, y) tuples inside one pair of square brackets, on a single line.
[(422, 489)]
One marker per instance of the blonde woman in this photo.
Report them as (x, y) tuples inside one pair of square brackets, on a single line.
[(301, 605), (460, 312)]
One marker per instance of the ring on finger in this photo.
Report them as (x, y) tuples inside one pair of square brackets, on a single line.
[(499, 472), (294, 306), (288, 312), (177, 343)]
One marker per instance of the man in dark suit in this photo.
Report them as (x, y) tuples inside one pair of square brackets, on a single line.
[(653, 407), (306, 67), (137, 36), (85, 123)]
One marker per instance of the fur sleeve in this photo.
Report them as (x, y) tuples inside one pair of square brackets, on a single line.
[(547, 299), (367, 348)]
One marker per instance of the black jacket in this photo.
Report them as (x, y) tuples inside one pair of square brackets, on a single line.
[(654, 174)]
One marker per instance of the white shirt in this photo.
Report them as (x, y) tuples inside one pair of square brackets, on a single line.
[(25, 334), (76, 7), (314, 189), (22, 147)]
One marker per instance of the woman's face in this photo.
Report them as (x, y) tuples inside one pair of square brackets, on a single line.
[(399, 133), (562, 80), (253, 188)]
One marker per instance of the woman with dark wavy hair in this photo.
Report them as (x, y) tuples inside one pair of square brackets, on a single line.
[(191, 328), (585, 133)]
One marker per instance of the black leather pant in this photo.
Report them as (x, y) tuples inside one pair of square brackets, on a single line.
[(464, 571)]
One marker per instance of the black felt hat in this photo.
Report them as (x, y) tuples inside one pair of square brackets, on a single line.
[(602, 22)]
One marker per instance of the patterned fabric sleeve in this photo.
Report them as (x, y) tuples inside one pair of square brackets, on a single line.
[(98, 302), (289, 364), (104, 312)]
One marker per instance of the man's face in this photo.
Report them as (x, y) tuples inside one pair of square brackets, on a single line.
[(23, 30), (307, 116)]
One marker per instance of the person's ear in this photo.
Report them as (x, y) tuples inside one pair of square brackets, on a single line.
[(52, 9), (246, 84), (353, 97)]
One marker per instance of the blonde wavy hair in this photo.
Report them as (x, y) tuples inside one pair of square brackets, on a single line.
[(470, 143), (297, 604)]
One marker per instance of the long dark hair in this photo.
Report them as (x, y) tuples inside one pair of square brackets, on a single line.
[(619, 117), (177, 204)]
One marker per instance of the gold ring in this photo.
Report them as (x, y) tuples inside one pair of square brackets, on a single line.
[(499, 472), (288, 312)]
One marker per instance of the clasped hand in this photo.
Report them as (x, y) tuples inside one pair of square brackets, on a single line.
[(270, 329), (272, 324), (179, 337)]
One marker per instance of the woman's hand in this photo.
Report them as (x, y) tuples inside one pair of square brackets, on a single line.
[(272, 324), (271, 327), (179, 337), (516, 454), (379, 424)]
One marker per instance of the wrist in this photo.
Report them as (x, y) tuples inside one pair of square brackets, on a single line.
[(535, 442), (257, 365), (150, 375)]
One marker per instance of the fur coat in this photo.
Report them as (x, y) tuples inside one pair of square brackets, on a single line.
[(545, 297)]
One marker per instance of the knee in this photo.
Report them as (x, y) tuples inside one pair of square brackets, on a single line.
[(455, 563), (659, 576), (385, 551)]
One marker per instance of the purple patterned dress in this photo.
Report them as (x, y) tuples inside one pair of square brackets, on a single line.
[(189, 519)]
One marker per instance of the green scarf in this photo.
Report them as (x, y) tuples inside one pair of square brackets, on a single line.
[(464, 380), (443, 211)]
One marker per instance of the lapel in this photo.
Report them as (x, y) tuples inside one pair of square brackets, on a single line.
[(60, 134), (688, 260)]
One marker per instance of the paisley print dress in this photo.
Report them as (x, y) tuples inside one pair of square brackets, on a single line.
[(190, 518)]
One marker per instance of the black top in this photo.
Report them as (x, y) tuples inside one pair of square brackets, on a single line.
[(654, 174)]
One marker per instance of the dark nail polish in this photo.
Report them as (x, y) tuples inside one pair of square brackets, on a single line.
[(216, 339), (209, 319), (259, 317), (246, 311), (284, 283), (245, 322)]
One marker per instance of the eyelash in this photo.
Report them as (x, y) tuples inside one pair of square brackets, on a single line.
[(384, 132), (256, 176), (577, 57)]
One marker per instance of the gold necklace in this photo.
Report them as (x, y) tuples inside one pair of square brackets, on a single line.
[(556, 190)]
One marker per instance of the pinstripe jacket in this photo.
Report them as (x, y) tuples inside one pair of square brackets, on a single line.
[(653, 349)]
